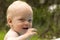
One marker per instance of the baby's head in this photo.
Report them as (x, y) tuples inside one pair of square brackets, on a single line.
[(19, 16)]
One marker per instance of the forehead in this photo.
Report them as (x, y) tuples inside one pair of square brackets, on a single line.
[(23, 12), (24, 15), (20, 8)]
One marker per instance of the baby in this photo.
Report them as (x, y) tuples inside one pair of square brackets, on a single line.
[(19, 19)]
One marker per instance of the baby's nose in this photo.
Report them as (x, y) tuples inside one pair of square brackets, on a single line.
[(26, 22)]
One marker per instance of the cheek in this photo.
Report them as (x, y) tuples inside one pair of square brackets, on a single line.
[(17, 26), (31, 25)]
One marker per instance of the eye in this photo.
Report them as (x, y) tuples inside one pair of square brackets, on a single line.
[(22, 20), (30, 20)]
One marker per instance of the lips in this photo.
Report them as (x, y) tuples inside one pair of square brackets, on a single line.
[(25, 28)]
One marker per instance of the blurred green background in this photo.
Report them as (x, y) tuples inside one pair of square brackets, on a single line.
[(46, 18)]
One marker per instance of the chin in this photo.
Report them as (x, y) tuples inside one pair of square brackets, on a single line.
[(22, 32)]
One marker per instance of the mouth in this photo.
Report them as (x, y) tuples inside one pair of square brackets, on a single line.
[(26, 28)]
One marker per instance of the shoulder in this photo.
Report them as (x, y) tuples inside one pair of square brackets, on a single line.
[(10, 33)]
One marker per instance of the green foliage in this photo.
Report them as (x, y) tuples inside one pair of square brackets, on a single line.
[(2, 34), (47, 24)]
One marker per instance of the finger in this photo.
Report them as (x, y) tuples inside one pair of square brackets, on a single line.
[(34, 33), (34, 30)]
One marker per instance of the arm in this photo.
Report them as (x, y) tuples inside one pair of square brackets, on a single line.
[(25, 36)]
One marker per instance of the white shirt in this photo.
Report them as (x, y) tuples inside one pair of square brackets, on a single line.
[(12, 35)]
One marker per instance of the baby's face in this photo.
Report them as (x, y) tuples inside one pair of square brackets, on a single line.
[(22, 21)]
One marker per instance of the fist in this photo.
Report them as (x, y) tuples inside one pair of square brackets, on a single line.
[(31, 31)]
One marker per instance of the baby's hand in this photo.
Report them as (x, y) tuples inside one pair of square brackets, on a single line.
[(31, 31)]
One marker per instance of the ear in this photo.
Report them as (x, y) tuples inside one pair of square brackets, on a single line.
[(9, 21)]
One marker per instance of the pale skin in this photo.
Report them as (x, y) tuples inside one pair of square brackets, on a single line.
[(21, 20)]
